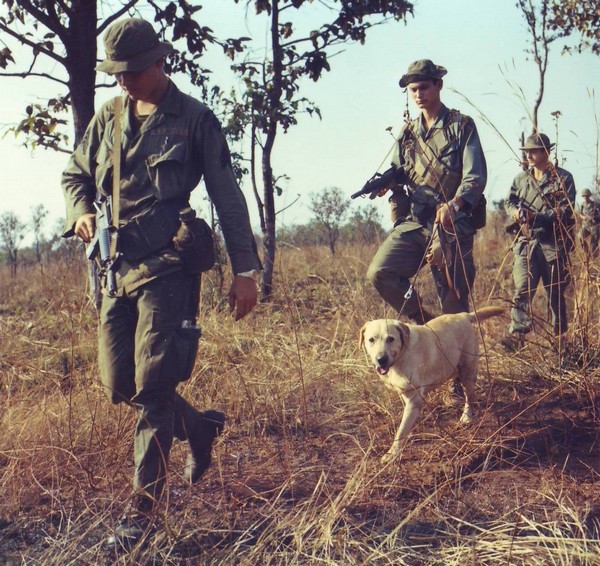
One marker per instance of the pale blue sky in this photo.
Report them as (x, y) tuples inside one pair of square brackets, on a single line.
[(482, 44)]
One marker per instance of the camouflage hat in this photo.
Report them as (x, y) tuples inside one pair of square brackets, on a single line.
[(586, 193), (538, 141), (132, 45), (422, 70)]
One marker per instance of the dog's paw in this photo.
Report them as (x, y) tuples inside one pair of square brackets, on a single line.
[(466, 419)]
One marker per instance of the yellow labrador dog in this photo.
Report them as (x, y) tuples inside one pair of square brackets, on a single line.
[(413, 360)]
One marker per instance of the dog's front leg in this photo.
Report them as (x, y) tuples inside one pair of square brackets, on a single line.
[(413, 402)]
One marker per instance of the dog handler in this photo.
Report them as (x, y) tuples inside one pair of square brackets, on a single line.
[(441, 177), (148, 338)]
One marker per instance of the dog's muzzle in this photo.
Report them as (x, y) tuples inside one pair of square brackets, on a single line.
[(383, 364)]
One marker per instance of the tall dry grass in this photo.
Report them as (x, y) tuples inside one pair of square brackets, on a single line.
[(296, 477)]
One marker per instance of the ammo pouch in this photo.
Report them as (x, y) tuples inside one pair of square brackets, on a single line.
[(479, 213), (424, 203), (195, 243), (149, 232)]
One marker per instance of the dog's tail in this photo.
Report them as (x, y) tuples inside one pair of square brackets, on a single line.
[(484, 313)]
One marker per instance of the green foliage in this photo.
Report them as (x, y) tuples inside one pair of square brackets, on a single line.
[(330, 207), (42, 126), (362, 228), (582, 16), (12, 233)]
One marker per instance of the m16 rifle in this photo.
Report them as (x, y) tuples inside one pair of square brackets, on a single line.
[(380, 181), (100, 246), (517, 225)]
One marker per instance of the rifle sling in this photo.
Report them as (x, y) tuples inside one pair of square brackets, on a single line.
[(116, 185)]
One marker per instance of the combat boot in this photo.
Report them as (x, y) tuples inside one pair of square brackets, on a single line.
[(131, 530), (208, 426)]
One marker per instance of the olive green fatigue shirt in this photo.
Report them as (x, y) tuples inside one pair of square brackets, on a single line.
[(590, 215), (551, 199), (162, 162), (454, 141)]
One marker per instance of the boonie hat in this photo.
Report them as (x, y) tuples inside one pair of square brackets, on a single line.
[(421, 70), (586, 193), (132, 45), (538, 141)]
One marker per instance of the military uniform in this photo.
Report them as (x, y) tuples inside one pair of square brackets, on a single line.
[(452, 140), (147, 337), (542, 246), (589, 232)]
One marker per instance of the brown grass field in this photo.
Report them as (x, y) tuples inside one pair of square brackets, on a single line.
[(296, 476)]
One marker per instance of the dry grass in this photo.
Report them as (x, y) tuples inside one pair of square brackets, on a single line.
[(296, 476)]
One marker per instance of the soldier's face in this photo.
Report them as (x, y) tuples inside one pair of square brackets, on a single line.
[(141, 85), (537, 158), (426, 94)]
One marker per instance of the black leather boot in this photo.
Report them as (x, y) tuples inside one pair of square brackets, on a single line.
[(208, 426)]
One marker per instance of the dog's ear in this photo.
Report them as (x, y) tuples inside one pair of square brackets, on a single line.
[(361, 336), (403, 332)]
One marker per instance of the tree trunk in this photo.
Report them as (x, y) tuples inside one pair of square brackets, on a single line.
[(269, 241), (81, 56)]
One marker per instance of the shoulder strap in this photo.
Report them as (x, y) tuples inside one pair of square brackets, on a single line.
[(116, 185), (433, 172)]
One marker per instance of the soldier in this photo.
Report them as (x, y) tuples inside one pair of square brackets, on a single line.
[(589, 231), (148, 338), (541, 201), (438, 186)]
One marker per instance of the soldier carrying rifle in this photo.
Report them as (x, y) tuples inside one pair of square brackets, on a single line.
[(437, 182), (145, 152), (589, 218), (540, 202)]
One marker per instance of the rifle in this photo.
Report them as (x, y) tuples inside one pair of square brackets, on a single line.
[(100, 246), (523, 208), (380, 181)]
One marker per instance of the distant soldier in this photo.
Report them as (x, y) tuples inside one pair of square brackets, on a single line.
[(541, 202), (589, 217)]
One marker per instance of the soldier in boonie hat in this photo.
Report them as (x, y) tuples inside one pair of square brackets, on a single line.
[(443, 195), (169, 142), (132, 45), (541, 201), (537, 141), (422, 70)]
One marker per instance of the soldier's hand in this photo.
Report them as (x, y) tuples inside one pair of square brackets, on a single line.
[(379, 193), (445, 216), (243, 296), (85, 226)]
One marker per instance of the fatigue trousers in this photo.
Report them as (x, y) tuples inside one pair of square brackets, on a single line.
[(533, 262), (589, 239), (398, 259), (144, 352)]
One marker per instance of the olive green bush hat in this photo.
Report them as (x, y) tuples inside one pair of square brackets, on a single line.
[(538, 141), (422, 70), (586, 193), (132, 45)]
